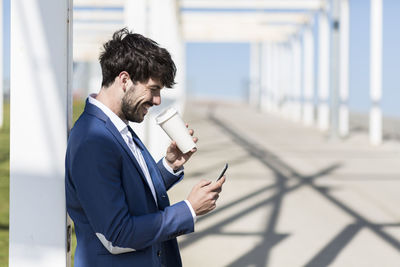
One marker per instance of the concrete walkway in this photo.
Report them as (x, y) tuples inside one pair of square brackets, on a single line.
[(292, 197)]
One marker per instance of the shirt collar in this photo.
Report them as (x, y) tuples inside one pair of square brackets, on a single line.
[(117, 121)]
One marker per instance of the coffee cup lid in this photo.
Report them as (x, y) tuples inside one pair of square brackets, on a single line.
[(166, 115)]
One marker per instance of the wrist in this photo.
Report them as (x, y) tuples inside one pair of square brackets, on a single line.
[(190, 206), (172, 165)]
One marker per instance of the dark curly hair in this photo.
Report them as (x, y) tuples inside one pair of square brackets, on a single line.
[(141, 57)]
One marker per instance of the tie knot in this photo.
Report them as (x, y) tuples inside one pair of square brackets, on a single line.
[(135, 138)]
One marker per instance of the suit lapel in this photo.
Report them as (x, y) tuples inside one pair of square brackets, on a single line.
[(95, 111), (110, 126), (155, 175)]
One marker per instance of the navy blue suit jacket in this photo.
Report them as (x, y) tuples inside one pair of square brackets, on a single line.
[(117, 221)]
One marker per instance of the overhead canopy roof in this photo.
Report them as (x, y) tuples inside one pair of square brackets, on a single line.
[(255, 4), (240, 26), (201, 21), (99, 3)]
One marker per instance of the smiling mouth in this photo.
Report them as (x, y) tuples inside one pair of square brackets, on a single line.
[(147, 107)]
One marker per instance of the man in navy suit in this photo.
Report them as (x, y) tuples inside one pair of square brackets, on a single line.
[(116, 192)]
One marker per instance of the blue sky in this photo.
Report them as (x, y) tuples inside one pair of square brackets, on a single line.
[(222, 70)]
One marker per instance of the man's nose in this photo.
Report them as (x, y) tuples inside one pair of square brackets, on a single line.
[(156, 100)]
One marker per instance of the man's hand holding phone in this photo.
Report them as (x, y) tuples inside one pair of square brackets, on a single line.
[(204, 195), (223, 172)]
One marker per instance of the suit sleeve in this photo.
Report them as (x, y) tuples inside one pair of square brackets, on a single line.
[(95, 171), (168, 178)]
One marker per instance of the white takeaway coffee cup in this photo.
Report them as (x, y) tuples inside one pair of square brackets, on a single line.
[(172, 123)]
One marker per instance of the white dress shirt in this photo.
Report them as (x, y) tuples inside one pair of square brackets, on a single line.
[(122, 128)]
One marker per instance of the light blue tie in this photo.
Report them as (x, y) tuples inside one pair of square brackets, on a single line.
[(155, 174)]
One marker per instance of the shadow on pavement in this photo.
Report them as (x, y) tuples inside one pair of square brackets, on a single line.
[(259, 256)]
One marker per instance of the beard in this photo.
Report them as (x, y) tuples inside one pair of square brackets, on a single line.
[(130, 110)]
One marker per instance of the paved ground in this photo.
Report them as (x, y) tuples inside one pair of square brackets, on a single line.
[(292, 197)]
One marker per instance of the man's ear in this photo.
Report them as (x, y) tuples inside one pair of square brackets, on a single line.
[(124, 80)]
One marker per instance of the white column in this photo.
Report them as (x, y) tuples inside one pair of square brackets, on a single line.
[(136, 16), (1, 66), (277, 78), (290, 93), (159, 20), (137, 20), (308, 78), (264, 69), (274, 76), (334, 67), (283, 87), (296, 79), (290, 70), (277, 75), (79, 78), (293, 73), (255, 76), (41, 66), (286, 80), (270, 75), (95, 77), (323, 75), (164, 28), (344, 69), (280, 75), (375, 124)]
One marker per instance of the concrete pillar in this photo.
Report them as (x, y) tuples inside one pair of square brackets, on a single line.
[(1, 67), (269, 76), (283, 83), (281, 79), (286, 97), (41, 68), (344, 69), (255, 77), (292, 79), (308, 77), (375, 123), (264, 69), (323, 76), (277, 73), (335, 57), (266, 77), (165, 28), (95, 77), (289, 83), (296, 115), (274, 76), (80, 79), (136, 16), (159, 20), (290, 89)]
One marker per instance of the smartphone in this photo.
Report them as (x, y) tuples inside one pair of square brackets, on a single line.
[(223, 171)]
